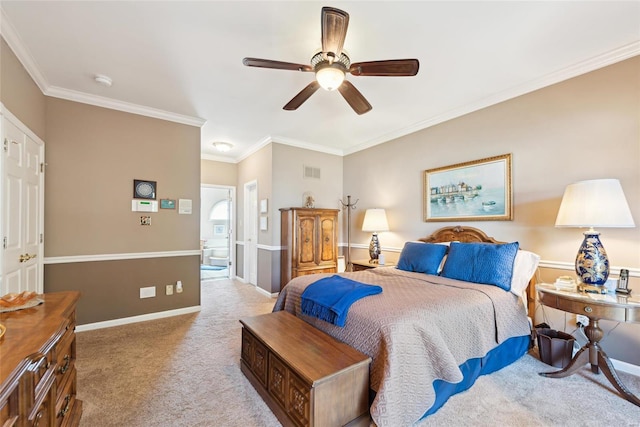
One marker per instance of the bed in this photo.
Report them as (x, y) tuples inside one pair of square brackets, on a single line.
[(429, 333)]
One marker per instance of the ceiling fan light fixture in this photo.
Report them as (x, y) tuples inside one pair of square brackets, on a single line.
[(330, 78), (223, 147)]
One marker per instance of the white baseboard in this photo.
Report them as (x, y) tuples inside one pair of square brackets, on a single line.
[(135, 319), (626, 367)]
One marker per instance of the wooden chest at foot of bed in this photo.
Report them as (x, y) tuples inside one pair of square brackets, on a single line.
[(305, 376)]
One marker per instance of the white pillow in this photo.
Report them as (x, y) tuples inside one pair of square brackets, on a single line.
[(524, 267)]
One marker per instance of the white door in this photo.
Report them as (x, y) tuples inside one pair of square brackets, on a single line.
[(251, 232), (22, 180)]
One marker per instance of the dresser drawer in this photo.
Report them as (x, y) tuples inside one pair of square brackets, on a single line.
[(66, 399), (41, 411), (65, 355), (592, 310), (9, 398)]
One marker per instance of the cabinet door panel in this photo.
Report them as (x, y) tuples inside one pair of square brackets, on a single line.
[(306, 240), (328, 239)]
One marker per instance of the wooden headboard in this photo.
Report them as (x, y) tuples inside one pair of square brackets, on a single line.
[(459, 233)]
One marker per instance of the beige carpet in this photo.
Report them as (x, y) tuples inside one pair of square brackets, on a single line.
[(184, 371)]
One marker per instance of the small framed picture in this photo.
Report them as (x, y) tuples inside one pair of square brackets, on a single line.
[(263, 206), (167, 204), (219, 229), (144, 189)]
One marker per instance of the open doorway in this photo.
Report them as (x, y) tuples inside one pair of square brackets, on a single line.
[(216, 231)]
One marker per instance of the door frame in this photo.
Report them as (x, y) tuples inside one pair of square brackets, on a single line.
[(232, 224)]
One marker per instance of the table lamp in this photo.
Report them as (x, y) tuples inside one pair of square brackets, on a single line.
[(375, 220), (594, 203)]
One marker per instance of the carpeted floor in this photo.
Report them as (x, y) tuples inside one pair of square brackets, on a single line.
[(184, 371)]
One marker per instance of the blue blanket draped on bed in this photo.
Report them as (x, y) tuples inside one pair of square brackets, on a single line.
[(329, 298)]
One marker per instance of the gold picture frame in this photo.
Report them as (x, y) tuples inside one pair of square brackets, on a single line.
[(478, 190)]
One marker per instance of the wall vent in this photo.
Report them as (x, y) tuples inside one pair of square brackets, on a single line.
[(311, 173)]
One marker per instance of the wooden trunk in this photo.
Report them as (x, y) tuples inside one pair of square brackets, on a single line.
[(306, 377)]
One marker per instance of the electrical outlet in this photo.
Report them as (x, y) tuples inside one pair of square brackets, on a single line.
[(169, 289), (582, 319), (179, 286), (148, 292)]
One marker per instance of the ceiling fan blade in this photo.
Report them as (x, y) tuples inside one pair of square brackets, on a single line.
[(334, 31), (301, 97), (353, 96), (278, 65), (392, 67)]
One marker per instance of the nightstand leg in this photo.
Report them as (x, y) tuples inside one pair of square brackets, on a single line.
[(609, 371), (578, 361)]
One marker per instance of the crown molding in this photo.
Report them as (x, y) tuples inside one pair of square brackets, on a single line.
[(9, 33), (213, 157), (307, 146), (620, 54), (101, 101), (16, 44)]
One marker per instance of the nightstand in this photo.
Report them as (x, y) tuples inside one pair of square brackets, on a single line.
[(595, 306), (364, 264)]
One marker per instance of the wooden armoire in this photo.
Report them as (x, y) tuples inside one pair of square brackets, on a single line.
[(309, 239)]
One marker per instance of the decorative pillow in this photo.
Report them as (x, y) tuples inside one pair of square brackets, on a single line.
[(486, 263), (421, 257), (524, 267)]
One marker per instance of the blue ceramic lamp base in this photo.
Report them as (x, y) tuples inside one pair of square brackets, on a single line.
[(592, 264)]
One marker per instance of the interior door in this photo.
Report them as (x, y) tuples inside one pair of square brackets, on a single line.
[(22, 211), (251, 233)]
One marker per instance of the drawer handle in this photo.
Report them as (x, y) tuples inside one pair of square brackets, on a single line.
[(37, 419), (306, 240), (67, 401), (588, 309), (67, 362)]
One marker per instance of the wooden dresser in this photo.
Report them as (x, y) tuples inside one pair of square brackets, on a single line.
[(37, 364), (309, 238), (306, 377)]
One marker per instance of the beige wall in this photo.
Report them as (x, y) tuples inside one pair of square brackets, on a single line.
[(18, 92), (256, 167), (278, 169), (218, 173), (583, 128), (92, 155)]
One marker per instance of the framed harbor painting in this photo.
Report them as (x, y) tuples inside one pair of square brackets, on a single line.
[(479, 190)]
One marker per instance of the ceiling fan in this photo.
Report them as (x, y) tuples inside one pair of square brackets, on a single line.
[(331, 64)]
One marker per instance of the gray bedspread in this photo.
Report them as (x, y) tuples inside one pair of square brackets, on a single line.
[(419, 329)]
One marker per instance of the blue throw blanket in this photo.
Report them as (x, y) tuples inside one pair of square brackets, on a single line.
[(329, 298)]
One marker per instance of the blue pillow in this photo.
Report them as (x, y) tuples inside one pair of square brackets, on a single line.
[(486, 263), (421, 257)]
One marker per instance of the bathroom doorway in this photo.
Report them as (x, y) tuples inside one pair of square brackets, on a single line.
[(216, 231)]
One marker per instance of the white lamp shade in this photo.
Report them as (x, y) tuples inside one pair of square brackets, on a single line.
[(594, 203), (375, 220)]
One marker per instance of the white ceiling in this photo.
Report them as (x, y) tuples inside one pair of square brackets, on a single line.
[(183, 61)]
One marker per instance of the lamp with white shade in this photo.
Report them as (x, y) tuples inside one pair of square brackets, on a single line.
[(595, 203), (375, 220)]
